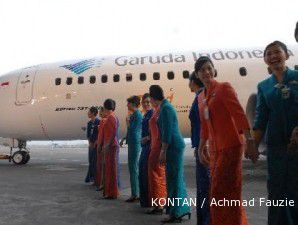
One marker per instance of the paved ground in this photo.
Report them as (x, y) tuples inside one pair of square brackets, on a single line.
[(50, 191)]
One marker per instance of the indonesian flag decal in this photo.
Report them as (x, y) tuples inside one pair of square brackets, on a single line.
[(4, 84)]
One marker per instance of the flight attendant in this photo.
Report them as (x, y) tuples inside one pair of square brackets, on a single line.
[(110, 150), (100, 156), (118, 149), (222, 123), (92, 133), (277, 114), (202, 172), (156, 170), (171, 155), (133, 139), (143, 165)]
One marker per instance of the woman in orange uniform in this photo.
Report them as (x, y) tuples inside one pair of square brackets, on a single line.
[(156, 171), (110, 150), (222, 123), (100, 157)]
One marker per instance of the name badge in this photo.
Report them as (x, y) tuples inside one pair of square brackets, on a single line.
[(206, 113), (285, 92)]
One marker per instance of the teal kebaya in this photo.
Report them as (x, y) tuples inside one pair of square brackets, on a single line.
[(170, 134), (134, 134), (277, 114)]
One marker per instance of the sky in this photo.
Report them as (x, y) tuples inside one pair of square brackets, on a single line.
[(35, 31)]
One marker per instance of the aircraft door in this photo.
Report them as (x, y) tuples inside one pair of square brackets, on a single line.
[(25, 86)]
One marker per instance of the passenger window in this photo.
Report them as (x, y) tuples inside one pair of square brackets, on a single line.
[(92, 79), (116, 78), (185, 74), (143, 76), (58, 81), (128, 77), (296, 67), (243, 71), (69, 80), (171, 75), (80, 80), (104, 78), (156, 76), (216, 73)]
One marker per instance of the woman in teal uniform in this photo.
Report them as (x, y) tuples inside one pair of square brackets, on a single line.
[(277, 116), (172, 156), (133, 139)]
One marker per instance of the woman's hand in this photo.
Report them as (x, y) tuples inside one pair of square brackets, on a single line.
[(162, 158), (251, 150), (196, 152), (293, 146), (91, 145), (294, 137), (122, 142), (105, 148), (204, 155), (127, 120), (99, 149), (145, 140)]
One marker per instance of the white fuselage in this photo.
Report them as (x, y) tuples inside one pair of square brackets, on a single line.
[(33, 107)]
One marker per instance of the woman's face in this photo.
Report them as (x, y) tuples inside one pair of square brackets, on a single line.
[(102, 113), (191, 86), (275, 57), (206, 73), (153, 103), (90, 114), (105, 112), (146, 104), (130, 106)]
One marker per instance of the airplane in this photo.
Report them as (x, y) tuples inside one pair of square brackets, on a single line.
[(50, 101)]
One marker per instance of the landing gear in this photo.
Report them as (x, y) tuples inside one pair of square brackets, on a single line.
[(21, 157), (18, 158), (26, 157)]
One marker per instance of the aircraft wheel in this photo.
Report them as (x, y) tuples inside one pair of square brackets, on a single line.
[(18, 158), (26, 156)]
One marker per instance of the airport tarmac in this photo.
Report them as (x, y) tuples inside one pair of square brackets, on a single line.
[(50, 190)]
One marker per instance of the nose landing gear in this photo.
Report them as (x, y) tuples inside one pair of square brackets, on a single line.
[(19, 157)]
